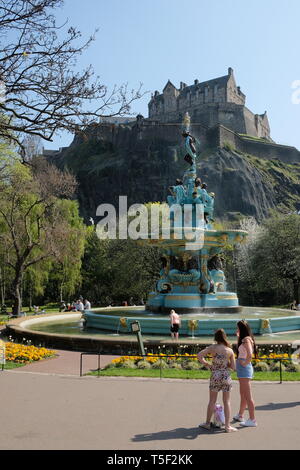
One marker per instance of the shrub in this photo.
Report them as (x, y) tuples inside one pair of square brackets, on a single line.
[(261, 367), (111, 365), (160, 364), (129, 364), (291, 367), (275, 367), (192, 365), (143, 365), (118, 363), (175, 365)]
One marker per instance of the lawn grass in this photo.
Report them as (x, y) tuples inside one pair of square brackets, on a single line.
[(11, 365), (190, 374), (3, 319)]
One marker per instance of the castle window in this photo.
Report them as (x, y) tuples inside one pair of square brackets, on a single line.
[(206, 92), (216, 88)]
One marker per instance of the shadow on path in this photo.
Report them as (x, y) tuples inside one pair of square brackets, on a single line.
[(278, 406), (178, 433)]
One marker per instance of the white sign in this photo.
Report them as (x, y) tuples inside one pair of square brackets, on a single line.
[(2, 352)]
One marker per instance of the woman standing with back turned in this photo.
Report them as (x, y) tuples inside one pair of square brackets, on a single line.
[(244, 369), (220, 380)]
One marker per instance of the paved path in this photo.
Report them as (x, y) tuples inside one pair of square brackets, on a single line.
[(46, 405), (67, 363)]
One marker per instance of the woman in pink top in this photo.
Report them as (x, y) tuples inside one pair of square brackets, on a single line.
[(244, 369)]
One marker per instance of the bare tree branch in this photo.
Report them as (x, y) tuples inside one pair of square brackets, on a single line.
[(44, 91)]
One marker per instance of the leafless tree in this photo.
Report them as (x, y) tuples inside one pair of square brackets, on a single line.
[(42, 92)]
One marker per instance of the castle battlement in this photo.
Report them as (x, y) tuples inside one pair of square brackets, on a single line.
[(216, 101)]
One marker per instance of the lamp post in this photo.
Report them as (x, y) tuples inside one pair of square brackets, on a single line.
[(136, 328)]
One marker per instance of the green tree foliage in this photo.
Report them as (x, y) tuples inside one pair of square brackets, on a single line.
[(37, 221), (271, 262), (65, 273), (118, 270)]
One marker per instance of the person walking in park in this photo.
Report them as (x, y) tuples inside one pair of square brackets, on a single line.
[(79, 306), (175, 321), (220, 380), (293, 305), (244, 369)]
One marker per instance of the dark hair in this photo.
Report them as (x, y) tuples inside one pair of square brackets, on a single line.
[(220, 337), (178, 181), (245, 330)]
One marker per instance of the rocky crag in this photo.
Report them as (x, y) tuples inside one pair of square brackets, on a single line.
[(133, 161)]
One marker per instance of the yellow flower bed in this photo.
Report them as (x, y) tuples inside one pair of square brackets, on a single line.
[(21, 353), (152, 358)]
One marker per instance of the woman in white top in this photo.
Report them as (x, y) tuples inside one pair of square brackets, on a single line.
[(244, 369), (220, 380)]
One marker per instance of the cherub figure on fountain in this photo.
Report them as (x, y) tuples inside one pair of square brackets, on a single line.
[(178, 193)]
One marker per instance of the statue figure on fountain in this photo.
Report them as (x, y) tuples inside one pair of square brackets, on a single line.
[(189, 142), (178, 193), (216, 272)]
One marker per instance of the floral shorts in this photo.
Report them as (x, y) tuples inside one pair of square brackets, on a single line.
[(220, 381)]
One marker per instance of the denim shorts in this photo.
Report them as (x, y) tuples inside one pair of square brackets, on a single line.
[(244, 372)]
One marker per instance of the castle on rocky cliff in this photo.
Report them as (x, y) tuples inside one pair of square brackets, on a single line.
[(219, 119), (213, 102)]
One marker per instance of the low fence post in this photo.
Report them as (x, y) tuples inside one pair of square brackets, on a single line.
[(280, 370), (80, 373)]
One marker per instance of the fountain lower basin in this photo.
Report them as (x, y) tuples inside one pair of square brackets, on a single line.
[(262, 321)]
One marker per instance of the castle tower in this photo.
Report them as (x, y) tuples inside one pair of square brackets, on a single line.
[(216, 101)]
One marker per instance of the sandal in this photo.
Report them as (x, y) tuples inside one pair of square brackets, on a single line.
[(205, 426), (230, 429)]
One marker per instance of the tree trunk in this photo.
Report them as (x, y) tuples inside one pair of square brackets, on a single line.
[(2, 283), (30, 297), (61, 292), (16, 292)]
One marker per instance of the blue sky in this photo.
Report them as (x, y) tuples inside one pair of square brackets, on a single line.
[(151, 41)]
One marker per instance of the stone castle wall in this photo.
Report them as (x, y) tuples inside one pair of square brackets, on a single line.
[(218, 136)]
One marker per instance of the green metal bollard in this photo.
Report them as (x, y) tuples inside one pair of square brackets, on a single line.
[(136, 328), (280, 370)]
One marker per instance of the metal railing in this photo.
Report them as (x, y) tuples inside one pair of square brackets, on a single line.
[(162, 357)]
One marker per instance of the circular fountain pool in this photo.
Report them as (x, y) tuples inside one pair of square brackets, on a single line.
[(67, 331)]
